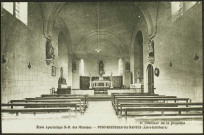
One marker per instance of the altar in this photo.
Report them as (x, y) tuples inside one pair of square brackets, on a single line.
[(101, 83), (108, 82)]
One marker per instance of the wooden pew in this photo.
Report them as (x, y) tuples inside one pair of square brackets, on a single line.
[(164, 109), (47, 98), (150, 99), (62, 95), (114, 95), (114, 102), (34, 110), (67, 95), (84, 104), (122, 106), (133, 93), (129, 94), (51, 101), (138, 96), (37, 105)]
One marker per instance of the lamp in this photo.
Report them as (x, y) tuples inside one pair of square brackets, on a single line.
[(3, 60), (170, 64), (98, 49), (29, 65), (196, 57)]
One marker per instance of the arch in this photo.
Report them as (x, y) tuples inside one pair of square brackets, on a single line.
[(150, 78), (139, 37), (118, 43), (148, 18), (63, 28), (62, 42), (138, 57), (57, 8)]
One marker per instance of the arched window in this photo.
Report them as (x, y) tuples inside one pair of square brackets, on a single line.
[(120, 67), (81, 71)]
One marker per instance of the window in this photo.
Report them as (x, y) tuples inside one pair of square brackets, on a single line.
[(178, 9), (18, 9), (81, 71), (21, 11), (120, 67), (7, 6), (188, 5)]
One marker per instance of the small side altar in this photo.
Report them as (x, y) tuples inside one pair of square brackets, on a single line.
[(62, 85)]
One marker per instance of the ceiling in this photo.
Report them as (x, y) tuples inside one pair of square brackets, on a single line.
[(115, 18)]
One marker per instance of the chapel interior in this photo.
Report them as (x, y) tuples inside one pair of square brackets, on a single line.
[(101, 52)]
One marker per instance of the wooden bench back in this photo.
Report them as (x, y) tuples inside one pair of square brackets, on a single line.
[(64, 95), (37, 101)]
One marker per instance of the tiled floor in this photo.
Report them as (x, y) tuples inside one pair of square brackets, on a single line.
[(98, 118)]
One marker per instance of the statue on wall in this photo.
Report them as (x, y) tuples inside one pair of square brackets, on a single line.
[(73, 65), (151, 48), (49, 49), (61, 72), (61, 79), (101, 68), (138, 73)]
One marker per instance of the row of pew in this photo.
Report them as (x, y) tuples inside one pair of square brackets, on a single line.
[(48, 103), (144, 104)]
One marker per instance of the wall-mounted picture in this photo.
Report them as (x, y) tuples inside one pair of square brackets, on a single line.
[(53, 71)]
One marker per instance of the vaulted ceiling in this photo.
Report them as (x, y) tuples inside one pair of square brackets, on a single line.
[(104, 25)]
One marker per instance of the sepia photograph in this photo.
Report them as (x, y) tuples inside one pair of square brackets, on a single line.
[(95, 67)]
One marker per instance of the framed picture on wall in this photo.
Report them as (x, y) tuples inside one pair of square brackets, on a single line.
[(53, 71)]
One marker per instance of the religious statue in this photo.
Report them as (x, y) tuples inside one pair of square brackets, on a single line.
[(151, 48), (138, 73), (101, 68), (61, 79), (61, 72), (49, 49), (111, 76), (138, 76), (73, 65)]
